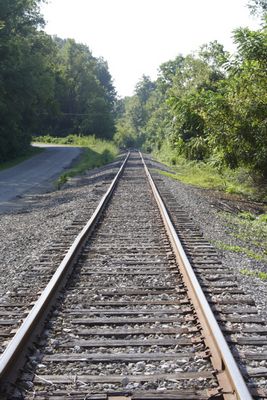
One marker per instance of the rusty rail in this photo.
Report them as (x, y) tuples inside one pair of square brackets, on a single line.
[(10, 360), (228, 374)]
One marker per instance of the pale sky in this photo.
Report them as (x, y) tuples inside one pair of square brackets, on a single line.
[(136, 36)]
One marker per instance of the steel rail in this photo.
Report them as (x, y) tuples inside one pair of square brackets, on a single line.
[(17, 344), (228, 374)]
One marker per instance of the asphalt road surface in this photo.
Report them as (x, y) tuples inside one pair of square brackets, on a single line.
[(35, 174)]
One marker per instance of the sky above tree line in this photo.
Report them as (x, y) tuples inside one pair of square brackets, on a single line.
[(136, 36)]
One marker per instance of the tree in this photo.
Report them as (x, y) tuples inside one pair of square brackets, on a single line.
[(47, 85), (84, 95), (167, 71), (237, 116), (24, 74), (209, 105), (131, 125), (258, 7)]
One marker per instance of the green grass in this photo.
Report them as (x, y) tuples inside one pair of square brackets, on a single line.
[(28, 154), (250, 230), (96, 152), (239, 249), (248, 227), (258, 274), (203, 175)]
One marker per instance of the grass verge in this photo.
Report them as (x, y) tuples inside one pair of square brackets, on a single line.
[(96, 152), (28, 154), (239, 249), (258, 274), (248, 227), (250, 230), (203, 175)]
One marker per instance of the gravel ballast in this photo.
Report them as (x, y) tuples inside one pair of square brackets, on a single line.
[(32, 235), (203, 207), (32, 227), (34, 222)]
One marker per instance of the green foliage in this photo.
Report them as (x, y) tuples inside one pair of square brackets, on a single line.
[(206, 175), (235, 115), (84, 96), (47, 84), (262, 218), (25, 82), (209, 107), (258, 7), (92, 142), (240, 249), (250, 228), (90, 158), (247, 216), (130, 128), (251, 232), (257, 274)]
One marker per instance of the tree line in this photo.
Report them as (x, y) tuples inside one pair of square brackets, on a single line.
[(48, 85), (209, 106)]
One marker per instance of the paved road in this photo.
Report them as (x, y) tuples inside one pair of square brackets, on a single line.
[(36, 173)]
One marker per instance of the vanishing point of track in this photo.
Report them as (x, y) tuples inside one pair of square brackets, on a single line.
[(124, 316)]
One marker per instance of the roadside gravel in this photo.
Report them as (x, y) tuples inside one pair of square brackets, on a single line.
[(202, 207), (34, 222)]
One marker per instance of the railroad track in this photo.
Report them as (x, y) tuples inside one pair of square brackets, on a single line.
[(131, 320)]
